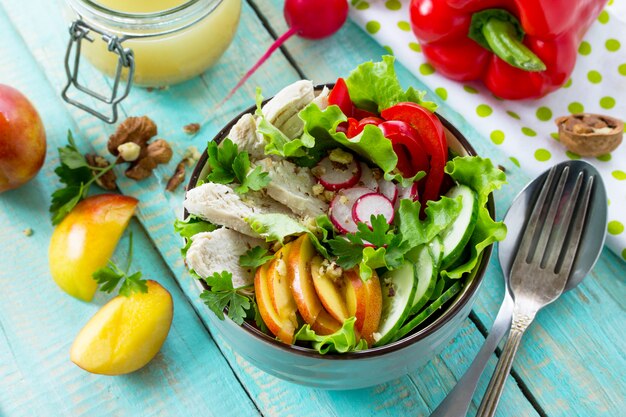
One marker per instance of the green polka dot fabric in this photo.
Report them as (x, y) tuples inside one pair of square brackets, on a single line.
[(525, 130)]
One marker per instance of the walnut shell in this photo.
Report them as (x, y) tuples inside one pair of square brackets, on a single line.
[(590, 134)]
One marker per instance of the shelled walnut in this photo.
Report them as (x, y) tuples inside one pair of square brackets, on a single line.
[(590, 134), (145, 155), (106, 181)]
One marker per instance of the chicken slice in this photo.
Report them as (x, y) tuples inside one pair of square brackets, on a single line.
[(282, 110), (244, 135), (218, 251), (292, 185), (219, 204)]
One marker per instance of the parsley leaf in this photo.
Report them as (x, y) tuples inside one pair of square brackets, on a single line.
[(77, 175), (110, 276), (255, 257), (348, 250), (222, 295), (229, 165)]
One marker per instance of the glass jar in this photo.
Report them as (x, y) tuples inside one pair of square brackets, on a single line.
[(147, 42)]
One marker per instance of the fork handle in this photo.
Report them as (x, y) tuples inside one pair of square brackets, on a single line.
[(489, 404)]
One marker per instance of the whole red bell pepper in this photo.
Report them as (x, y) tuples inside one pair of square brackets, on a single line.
[(518, 48)]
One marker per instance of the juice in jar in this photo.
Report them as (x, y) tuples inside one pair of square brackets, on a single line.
[(173, 57)]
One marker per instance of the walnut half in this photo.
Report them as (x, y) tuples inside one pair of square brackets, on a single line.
[(590, 134)]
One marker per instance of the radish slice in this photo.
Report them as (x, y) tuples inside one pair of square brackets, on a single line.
[(408, 193), (388, 189), (336, 176), (340, 212), (372, 204), (367, 179)]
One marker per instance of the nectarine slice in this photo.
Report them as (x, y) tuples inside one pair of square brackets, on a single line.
[(282, 329), (85, 240), (278, 285), (330, 292), (126, 333), (364, 301), (299, 267)]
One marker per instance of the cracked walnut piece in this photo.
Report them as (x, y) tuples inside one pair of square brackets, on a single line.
[(106, 181), (158, 152), (138, 130), (590, 134)]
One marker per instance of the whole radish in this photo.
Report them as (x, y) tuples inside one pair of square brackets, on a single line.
[(310, 19)]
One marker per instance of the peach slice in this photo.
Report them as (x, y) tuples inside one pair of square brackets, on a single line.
[(278, 285), (283, 329), (325, 324), (85, 240), (364, 301), (126, 333), (299, 267), (331, 292)]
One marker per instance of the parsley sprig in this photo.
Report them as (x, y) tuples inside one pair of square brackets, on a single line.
[(255, 257), (222, 294), (110, 276), (228, 165), (77, 175)]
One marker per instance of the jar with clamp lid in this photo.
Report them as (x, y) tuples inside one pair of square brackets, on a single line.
[(148, 43)]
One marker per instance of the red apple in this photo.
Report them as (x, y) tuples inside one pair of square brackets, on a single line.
[(22, 139)]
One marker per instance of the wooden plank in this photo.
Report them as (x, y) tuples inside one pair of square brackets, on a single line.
[(39, 321)]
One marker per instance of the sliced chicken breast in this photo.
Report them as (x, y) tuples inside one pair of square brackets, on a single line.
[(219, 204), (243, 133), (218, 251), (282, 110), (292, 185)]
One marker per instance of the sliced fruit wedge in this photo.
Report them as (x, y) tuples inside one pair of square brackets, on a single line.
[(330, 291), (278, 285), (364, 302), (282, 328), (302, 288)]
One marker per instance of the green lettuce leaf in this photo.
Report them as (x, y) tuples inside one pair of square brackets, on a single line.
[(342, 341), (275, 227), (483, 177), (374, 86), (192, 225), (321, 126)]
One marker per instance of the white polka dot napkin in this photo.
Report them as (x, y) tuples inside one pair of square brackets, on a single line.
[(525, 130)]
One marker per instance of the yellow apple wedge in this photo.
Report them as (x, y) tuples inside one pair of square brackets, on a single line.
[(283, 329), (126, 333), (325, 324), (331, 292), (364, 301), (299, 267), (85, 240), (278, 284)]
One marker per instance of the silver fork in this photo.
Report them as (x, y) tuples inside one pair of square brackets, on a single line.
[(542, 265)]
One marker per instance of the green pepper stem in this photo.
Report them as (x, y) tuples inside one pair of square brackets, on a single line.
[(503, 40)]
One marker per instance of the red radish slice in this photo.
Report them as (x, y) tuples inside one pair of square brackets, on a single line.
[(408, 193), (336, 176), (372, 204), (310, 19), (388, 189), (340, 212), (367, 179)]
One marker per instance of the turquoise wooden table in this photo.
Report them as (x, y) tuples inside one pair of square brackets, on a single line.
[(571, 362)]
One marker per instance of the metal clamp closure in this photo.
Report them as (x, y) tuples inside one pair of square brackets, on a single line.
[(79, 31)]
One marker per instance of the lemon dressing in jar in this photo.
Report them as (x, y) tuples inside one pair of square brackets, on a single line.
[(146, 42)]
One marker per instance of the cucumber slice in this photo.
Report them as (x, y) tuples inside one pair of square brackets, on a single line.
[(438, 289), (428, 311), (398, 289), (436, 250), (456, 236), (426, 278)]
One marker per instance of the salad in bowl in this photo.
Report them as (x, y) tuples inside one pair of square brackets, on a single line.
[(339, 220)]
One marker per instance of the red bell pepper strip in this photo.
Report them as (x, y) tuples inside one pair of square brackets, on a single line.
[(518, 48), (406, 142), (355, 127), (433, 138), (340, 96)]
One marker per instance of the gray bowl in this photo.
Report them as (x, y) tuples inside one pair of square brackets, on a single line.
[(355, 369)]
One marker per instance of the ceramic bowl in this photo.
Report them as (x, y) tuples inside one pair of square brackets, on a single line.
[(356, 369)]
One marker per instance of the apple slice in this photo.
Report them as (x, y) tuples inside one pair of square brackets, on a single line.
[(282, 329), (331, 292), (302, 288), (126, 333), (364, 301), (85, 240), (325, 324), (278, 285)]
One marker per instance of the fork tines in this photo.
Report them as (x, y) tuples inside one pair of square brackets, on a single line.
[(553, 231)]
